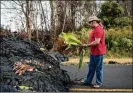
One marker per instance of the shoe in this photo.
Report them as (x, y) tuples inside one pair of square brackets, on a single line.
[(96, 86), (87, 84)]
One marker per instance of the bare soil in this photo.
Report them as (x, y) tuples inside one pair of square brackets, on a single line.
[(106, 60)]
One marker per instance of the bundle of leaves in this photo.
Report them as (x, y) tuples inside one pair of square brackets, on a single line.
[(73, 42)]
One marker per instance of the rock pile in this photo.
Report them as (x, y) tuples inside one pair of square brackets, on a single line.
[(48, 76)]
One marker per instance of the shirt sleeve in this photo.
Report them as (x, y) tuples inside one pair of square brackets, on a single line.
[(98, 32)]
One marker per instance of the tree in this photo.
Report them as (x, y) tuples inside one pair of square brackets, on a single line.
[(25, 8), (27, 13), (109, 11), (127, 5)]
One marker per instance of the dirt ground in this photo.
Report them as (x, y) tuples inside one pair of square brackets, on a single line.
[(106, 60)]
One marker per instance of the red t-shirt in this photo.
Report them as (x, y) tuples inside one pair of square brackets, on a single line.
[(99, 49)]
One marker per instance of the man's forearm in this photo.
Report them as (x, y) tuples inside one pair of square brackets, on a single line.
[(94, 43)]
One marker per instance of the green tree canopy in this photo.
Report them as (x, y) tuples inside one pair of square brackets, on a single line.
[(109, 11)]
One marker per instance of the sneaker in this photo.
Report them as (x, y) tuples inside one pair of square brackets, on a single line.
[(96, 86), (85, 83)]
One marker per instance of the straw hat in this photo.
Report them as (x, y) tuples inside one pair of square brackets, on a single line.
[(94, 18)]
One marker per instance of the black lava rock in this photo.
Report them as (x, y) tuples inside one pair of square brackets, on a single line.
[(48, 78)]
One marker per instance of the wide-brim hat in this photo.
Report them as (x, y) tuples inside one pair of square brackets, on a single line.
[(94, 18)]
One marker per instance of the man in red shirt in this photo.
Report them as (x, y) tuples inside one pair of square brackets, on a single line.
[(97, 50)]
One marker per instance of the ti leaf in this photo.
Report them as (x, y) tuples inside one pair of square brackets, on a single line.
[(81, 58)]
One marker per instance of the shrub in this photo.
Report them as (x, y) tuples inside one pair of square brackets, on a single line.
[(122, 21), (119, 40)]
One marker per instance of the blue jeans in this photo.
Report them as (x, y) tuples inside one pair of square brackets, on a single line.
[(95, 65)]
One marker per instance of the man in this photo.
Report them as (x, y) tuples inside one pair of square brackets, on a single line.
[(97, 50)]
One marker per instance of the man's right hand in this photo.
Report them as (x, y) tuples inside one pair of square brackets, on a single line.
[(84, 45)]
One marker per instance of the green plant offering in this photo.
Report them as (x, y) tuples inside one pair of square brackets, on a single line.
[(72, 41)]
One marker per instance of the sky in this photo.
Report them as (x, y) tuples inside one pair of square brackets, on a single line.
[(10, 18), (5, 15)]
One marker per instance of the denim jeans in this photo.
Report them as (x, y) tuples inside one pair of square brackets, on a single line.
[(95, 65)]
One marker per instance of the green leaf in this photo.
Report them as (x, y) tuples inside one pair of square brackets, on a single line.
[(81, 58), (25, 87), (70, 39)]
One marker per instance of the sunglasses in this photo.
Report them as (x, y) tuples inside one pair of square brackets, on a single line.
[(90, 22)]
